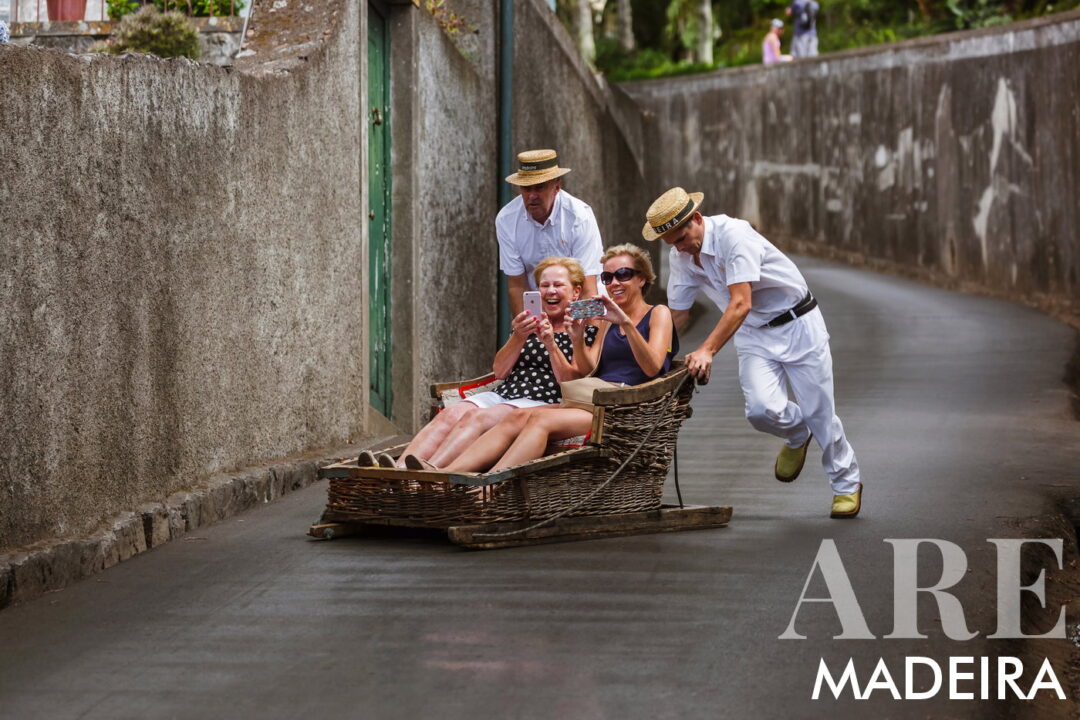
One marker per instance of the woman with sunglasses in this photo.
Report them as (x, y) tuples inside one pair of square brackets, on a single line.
[(531, 364), (637, 347)]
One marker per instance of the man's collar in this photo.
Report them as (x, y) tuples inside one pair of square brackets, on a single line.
[(708, 239)]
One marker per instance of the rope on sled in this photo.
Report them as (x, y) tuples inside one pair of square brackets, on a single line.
[(601, 486)]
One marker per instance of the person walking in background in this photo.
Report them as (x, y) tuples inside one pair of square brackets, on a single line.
[(770, 46), (804, 16)]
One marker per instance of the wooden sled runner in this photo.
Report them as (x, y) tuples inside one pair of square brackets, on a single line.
[(609, 486)]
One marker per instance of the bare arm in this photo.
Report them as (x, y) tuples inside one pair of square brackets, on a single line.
[(589, 290), (585, 356), (680, 318), (520, 328), (515, 286), (699, 362), (564, 370)]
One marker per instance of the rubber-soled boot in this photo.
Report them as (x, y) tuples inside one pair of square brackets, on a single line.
[(847, 506), (790, 461)]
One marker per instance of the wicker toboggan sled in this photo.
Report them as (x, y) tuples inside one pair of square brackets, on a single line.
[(609, 485)]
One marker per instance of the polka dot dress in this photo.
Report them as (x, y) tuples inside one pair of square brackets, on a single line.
[(532, 376)]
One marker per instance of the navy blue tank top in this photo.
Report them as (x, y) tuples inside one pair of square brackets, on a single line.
[(617, 362)]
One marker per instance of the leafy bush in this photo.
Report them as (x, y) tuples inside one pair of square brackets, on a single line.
[(120, 8), (149, 31), (621, 66), (976, 14), (193, 8), (202, 8)]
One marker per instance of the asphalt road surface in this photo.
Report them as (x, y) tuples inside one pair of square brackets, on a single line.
[(955, 406)]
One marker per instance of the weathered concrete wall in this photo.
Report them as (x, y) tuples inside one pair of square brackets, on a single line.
[(955, 158), (558, 103), (178, 274), (455, 201)]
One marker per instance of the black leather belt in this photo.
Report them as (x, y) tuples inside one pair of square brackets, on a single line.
[(804, 306)]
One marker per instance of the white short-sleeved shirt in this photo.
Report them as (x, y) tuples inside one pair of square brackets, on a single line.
[(733, 252), (570, 231)]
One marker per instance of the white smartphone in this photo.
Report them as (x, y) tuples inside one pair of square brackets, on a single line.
[(532, 302)]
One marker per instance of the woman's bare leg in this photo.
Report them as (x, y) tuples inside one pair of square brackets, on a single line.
[(488, 447), (431, 436), (466, 431), (555, 424)]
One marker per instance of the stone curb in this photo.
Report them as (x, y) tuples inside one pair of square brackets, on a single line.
[(52, 565)]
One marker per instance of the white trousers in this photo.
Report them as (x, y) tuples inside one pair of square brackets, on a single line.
[(796, 356)]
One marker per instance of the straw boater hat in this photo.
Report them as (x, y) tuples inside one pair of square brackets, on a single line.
[(537, 166), (669, 211)]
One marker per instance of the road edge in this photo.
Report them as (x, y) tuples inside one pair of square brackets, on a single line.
[(51, 565)]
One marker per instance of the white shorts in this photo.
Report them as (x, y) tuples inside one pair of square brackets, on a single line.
[(491, 399)]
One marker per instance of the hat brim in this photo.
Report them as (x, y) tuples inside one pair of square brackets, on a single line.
[(651, 235), (537, 177)]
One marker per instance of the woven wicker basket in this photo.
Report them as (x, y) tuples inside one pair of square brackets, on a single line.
[(538, 489)]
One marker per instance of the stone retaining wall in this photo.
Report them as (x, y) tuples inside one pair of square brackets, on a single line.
[(179, 276), (953, 158), (219, 38)]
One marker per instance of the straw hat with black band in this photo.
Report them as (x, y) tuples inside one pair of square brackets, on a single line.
[(535, 167), (669, 211)]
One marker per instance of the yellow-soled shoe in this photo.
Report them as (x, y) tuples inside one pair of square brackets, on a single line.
[(790, 461), (847, 506)]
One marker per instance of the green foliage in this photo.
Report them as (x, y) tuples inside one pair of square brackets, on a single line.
[(150, 31), (977, 13), (201, 8), (621, 66), (119, 8), (666, 30), (682, 23)]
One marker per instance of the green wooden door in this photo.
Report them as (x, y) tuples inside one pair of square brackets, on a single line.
[(378, 117)]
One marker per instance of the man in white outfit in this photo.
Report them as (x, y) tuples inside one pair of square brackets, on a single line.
[(544, 221), (779, 334)]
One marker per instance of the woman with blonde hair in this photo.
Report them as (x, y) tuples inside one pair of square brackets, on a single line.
[(531, 364), (638, 346)]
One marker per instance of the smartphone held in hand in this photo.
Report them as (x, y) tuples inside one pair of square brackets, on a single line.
[(532, 302), (587, 308)]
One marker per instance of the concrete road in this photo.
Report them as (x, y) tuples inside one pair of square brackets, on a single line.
[(953, 403)]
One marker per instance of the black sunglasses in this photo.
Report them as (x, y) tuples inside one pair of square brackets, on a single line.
[(622, 275)]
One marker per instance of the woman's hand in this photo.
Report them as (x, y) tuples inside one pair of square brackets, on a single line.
[(524, 324), (545, 331), (575, 328), (615, 315)]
